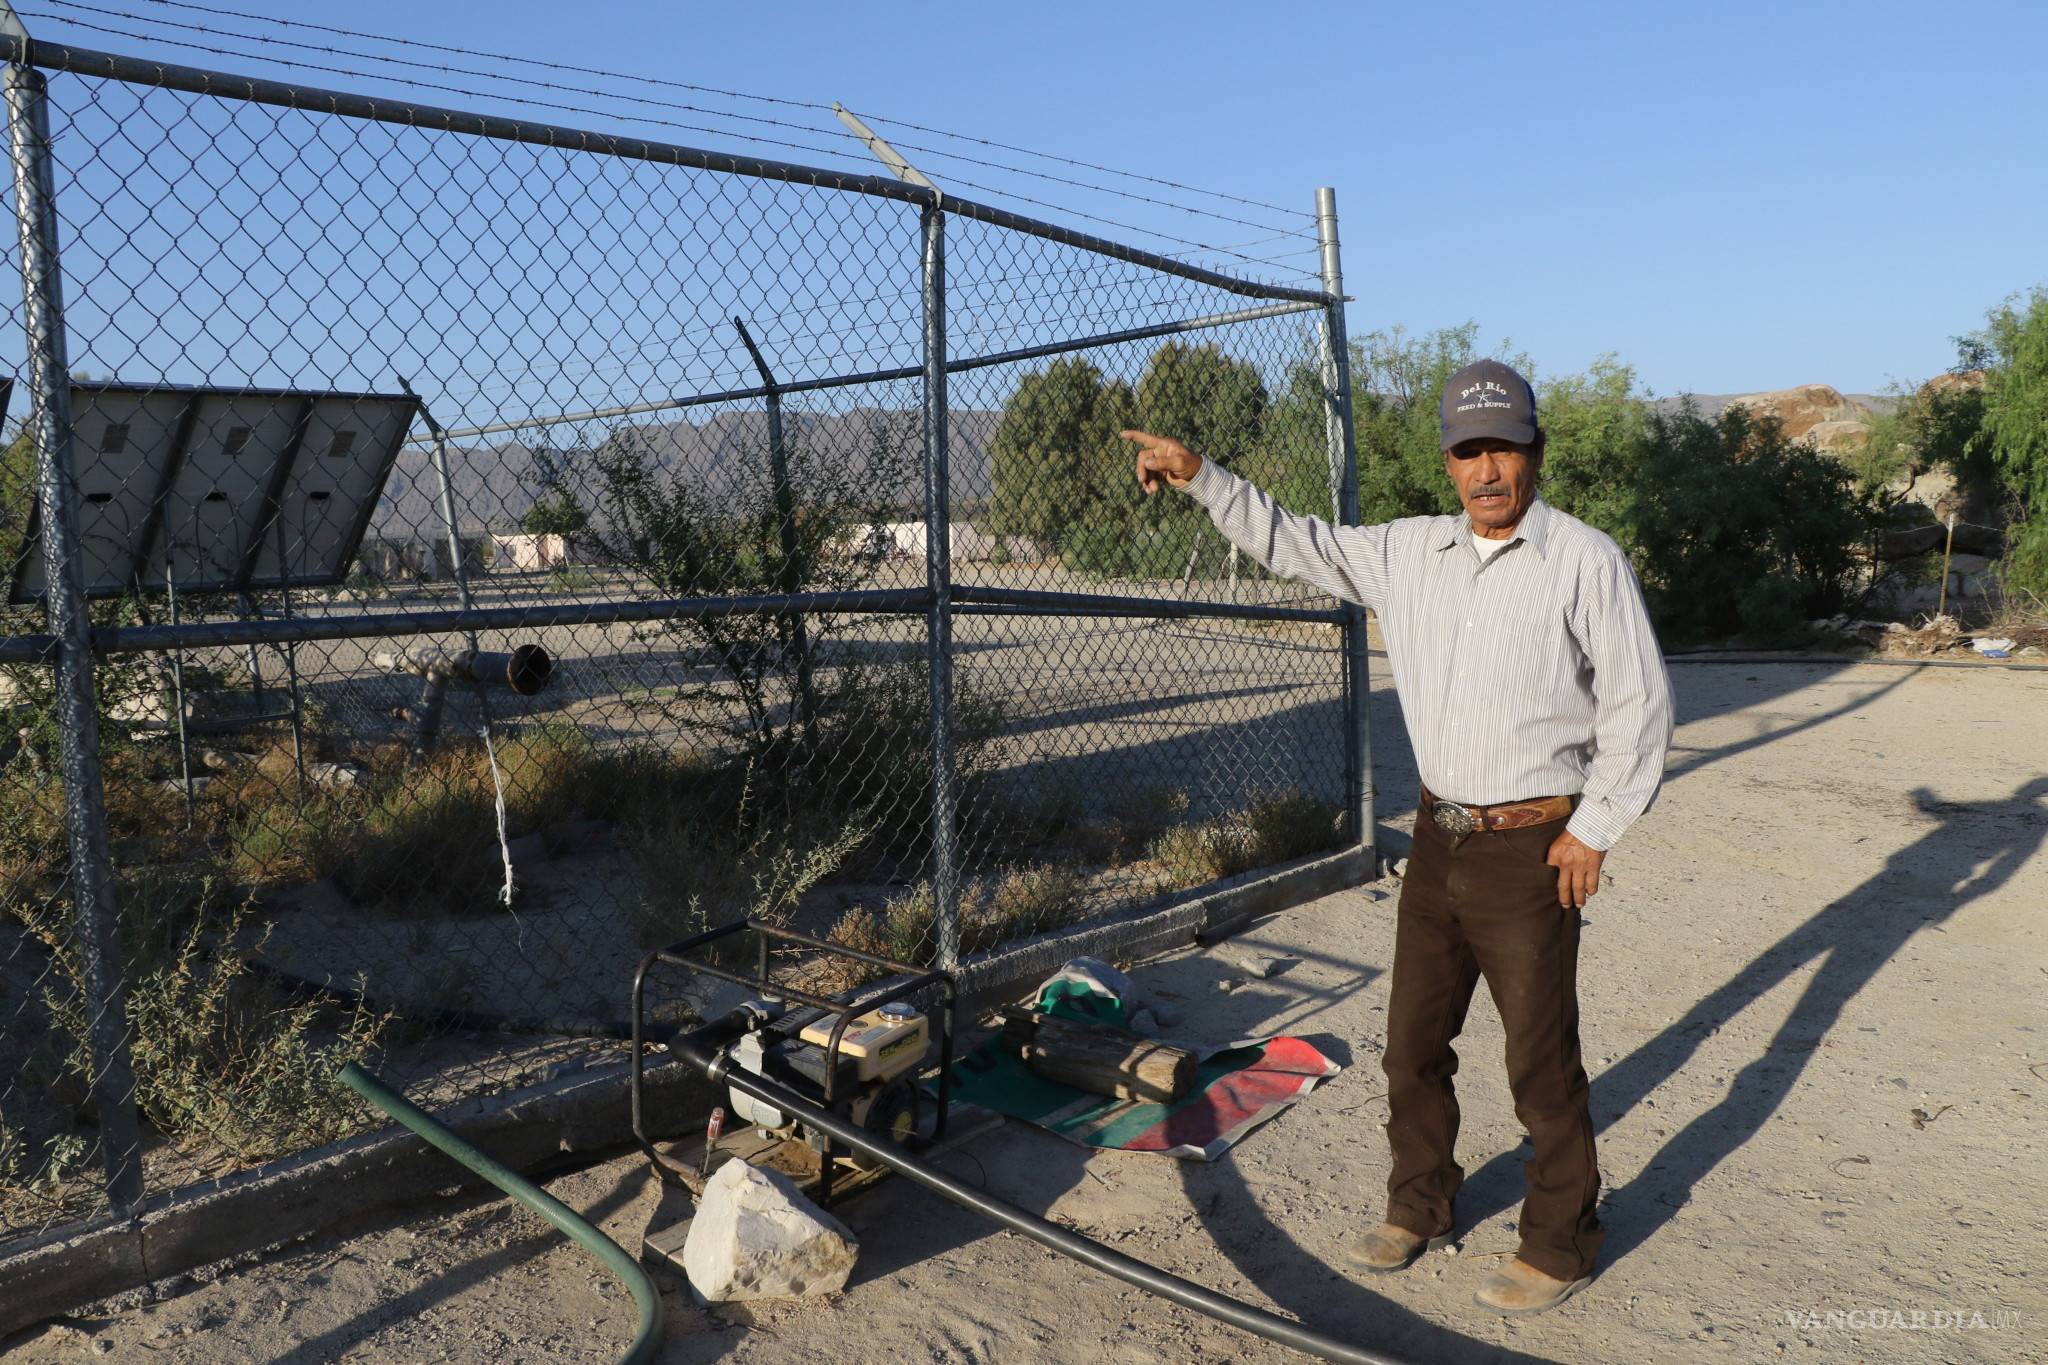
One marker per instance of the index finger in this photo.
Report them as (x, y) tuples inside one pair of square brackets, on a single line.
[(1144, 438)]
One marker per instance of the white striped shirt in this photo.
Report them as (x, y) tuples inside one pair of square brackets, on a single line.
[(1530, 673)]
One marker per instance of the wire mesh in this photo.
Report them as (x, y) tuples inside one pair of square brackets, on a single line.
[(511, 553)]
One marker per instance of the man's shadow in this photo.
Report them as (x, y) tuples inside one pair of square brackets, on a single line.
[(1975, 849)]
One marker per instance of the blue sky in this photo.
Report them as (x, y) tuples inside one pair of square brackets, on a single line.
[(1730, 196)]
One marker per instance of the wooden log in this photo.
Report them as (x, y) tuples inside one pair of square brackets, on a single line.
[(1100, 1060)]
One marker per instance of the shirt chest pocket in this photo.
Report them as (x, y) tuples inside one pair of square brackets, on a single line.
[(1527, 642)]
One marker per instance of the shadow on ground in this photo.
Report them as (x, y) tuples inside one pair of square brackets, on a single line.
[(1975, 849)]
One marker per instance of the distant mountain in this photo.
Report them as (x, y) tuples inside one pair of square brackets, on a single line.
[(494, 485)]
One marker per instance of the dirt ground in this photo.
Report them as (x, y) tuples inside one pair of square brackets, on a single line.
[(1814, 1014)]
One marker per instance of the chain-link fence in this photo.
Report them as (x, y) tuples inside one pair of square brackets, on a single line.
[(448, 556)]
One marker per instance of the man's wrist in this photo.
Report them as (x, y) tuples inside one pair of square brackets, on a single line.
[(1204, 483), (1590, 830)]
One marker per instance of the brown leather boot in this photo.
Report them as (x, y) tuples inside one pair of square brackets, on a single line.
[(1522, 1289), (1388, 1248)]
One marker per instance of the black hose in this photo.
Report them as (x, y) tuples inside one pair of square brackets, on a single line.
[(1068, 1243)]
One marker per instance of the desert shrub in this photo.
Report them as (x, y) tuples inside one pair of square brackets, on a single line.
[(1738, 531), (871, 758), (692, 875), (751, 534), (222, 1059)]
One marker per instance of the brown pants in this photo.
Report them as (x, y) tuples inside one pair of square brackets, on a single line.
[(1486, 905)]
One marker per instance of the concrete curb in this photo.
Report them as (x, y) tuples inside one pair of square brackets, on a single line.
[(256, 1210)]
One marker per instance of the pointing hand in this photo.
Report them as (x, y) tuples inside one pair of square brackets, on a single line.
[(1162, 457)]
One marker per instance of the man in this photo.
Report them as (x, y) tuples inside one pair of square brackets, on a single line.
[(1536, 703)]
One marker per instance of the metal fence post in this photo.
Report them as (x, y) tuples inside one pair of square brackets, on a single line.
[(938, 563), (1336, 360), (96, 920)]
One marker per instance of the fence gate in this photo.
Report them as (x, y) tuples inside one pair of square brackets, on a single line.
[(448, 555)]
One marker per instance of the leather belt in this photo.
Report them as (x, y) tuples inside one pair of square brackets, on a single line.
[(1457, 820)]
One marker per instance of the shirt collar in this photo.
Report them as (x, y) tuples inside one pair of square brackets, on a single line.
[(1534, 528)]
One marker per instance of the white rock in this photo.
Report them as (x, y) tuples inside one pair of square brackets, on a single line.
[(1258, 966), (1167, 1015), (335, 774), (756, 1237)]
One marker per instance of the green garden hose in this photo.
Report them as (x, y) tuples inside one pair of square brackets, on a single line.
[(526, 1192)]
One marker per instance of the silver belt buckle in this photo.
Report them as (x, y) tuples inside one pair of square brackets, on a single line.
[(1453, 820)]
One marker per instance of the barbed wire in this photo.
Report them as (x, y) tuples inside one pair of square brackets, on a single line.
[(403, 61), (1193, 246), (417, 82), (1302, 232), (670, 83), (1090, 166), (694, 87)]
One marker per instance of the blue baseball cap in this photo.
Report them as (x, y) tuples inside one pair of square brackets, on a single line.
[(1487, 398)]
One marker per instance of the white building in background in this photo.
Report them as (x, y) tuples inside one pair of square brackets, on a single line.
[(528, 554), (906, 540)]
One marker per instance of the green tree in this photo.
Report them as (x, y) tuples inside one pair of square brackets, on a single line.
[(1054, 428), (1594, 427), (554, 514), (1737, 531), (1216, 404), (1063, 477), (2015, 341), (17, 496), (1293, 459)]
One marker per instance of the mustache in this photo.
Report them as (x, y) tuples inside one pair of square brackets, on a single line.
[(1482, 489)]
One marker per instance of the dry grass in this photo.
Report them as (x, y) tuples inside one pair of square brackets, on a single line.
[(1016, 904), (1270, 830)]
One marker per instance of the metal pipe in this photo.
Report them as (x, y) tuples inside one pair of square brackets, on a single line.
[(883, 152), (95, 915), (1063, 1240), (194, 80), (291, 653), (178, 690), (526, 670), (792, 574), (41, 649), (369, 625), (938, 562), (978, 362), (1358, 791), (1143, 608)]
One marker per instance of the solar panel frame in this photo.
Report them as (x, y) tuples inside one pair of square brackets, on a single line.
[(146, 452)]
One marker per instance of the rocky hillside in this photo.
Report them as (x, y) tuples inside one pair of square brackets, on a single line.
[(1833, 420)]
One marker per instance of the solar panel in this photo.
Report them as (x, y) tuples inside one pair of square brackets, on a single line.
[(234, 489)]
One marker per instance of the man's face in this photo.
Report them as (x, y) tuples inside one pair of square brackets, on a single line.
[(1496, 480)]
